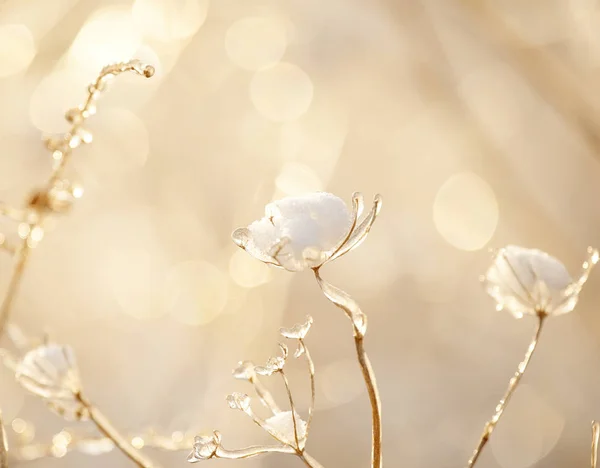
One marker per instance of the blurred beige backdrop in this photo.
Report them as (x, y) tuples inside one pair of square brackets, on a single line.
[(476, 121)]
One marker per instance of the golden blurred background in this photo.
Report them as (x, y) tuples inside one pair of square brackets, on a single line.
[(478, 120)]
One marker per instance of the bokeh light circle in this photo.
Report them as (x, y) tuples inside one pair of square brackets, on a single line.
[(256, 42), (108, 37), (196, 292), (169, 20), (18, 49), (246, 271), (465, 211), (282, 92)]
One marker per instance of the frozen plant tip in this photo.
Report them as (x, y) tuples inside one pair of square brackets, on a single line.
[(50, 372), (298, 233), (286, 427), (529, 282)]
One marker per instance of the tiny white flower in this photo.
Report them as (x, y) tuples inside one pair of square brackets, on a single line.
[(307, 231), (283, 425), (205, 447), (244, 371), (531, 282), (274, 364), (298, 331), (50, 372), (239, 401)]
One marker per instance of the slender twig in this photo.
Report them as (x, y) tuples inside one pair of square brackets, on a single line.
[(342, 300), (98, 445), (595, 438), (250, 452), (264, 395), (313, 392), (309, 461), (512, 386), (15, 280), (3, 445), (292, 406), (106, 428), (62, 151), (374, 398)]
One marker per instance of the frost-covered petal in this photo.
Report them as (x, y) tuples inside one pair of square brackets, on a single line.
[(527, 281), (298, 232), (361, 229), (299, 330), (204, 448), (283, 425), (274, 364), (239, 401), (49, 371), (244, 371)]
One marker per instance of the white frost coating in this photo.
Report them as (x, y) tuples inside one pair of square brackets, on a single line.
[(527, 281), (300, 232), (283, 425)]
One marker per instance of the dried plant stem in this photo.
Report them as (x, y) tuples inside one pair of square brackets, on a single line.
[(369, 376), (3, 445), (313, 392), (595, 438), (264, 395), (512, 386), (292, 406), (342, 300), (62, 154), (309, 461), (105, 426), (15, 282)]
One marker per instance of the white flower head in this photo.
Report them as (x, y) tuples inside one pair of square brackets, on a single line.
[(274, 364), (532, 282), (244, 371), (50, 372), (298, 331), (205, 447), (283, 425), (239, 401), (307, 231)]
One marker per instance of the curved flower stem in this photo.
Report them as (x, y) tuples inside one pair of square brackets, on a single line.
[(105, 426), (369, 377), (292, 406), (254, 451), (3, 445), (313, 392), (352, 310), (309, 461), (595, 437), (264, 395), (15, 281), (512, 386)]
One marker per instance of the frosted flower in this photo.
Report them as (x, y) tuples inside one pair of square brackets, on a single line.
[(239, 401), (205, 447), (274, 364), (298, 331), (244, 371), (531, 282), (50, 372), (307, 231), (283, 425)]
